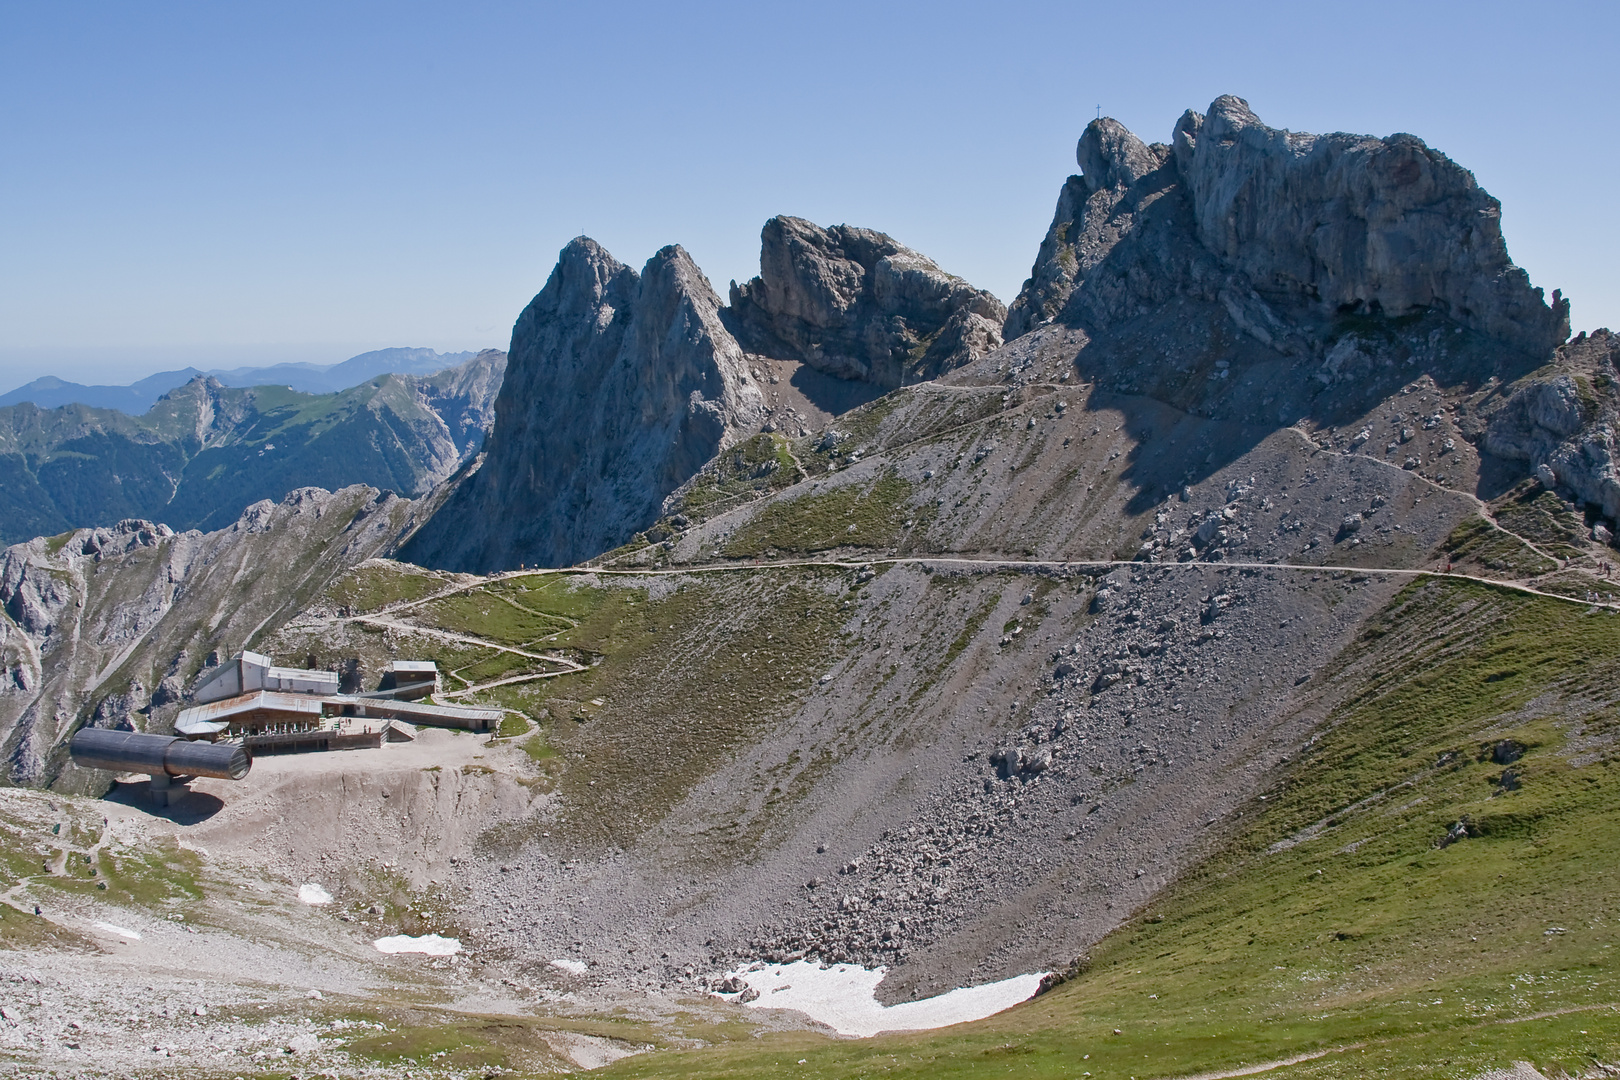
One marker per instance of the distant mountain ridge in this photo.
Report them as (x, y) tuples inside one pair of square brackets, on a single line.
[(206, 450), (49, 392)]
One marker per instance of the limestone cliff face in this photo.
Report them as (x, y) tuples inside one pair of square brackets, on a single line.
[(857, 304), (1563, 425), (1261, 219), (1095, 209), (1356, 222), (619, 386), (108, 625)]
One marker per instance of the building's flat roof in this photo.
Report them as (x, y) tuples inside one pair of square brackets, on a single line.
[(270, 700), (192, 728), (307, 674), (413, 665), (404, 710)]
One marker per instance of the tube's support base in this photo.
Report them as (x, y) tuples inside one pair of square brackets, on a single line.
[(166, 791)]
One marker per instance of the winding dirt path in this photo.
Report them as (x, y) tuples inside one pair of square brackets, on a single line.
[(993, 564), (56, 867), (565, 665)]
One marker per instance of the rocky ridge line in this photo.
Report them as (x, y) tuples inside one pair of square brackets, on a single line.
[(621, 386)]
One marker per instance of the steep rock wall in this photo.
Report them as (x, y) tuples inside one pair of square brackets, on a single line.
[(1562, 424), (1261, 219), (619, 387)]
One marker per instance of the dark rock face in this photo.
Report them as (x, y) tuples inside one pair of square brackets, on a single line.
[(857, 304), (1357, 222), (1261, 218), (1094, 211), (619, 387)]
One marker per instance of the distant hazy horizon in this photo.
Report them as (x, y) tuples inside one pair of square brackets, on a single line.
[(231, 185), (117, 366)]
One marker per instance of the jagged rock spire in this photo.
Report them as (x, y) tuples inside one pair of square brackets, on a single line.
[(618, 387)]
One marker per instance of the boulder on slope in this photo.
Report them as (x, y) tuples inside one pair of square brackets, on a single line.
[(1563, 424)]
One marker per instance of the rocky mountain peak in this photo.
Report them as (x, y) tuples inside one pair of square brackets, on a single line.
[(618, 387), (1323, 225), (586, 278), (858, 304), (1110, 156), (1357, 223)]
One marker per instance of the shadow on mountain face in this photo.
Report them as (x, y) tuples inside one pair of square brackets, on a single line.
[(1258, 279), (1221, 398), (832, 394)]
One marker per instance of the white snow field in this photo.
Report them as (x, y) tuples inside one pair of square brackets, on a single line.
[(844, 998), (431, 944)]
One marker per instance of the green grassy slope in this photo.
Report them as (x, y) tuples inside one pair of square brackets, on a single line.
[(1332, 918), (702, 666)]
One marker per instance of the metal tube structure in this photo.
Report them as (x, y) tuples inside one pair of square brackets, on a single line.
[(165, 755)]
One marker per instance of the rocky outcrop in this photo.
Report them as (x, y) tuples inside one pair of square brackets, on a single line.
[(621, 386), (107, 625), (1563, 425), (618, 388), (1358, 223), (1095, 209), (1260, 218), (857, 304)]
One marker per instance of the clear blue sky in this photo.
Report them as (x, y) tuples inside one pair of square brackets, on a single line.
[(226, 183)]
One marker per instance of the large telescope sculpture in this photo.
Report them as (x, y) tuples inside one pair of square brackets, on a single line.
[(170, 761)]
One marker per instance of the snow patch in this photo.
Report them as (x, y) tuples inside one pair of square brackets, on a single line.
[(844, 997), (573, 967), (311, 893), (109, 928), (431, 944)]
